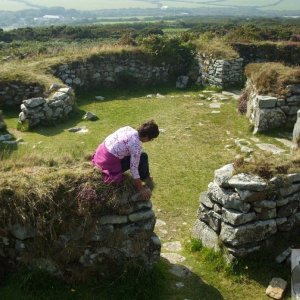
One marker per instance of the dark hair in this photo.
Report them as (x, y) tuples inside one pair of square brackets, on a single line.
[(149, 129)]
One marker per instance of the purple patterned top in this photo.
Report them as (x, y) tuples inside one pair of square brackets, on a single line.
[(126, 142)]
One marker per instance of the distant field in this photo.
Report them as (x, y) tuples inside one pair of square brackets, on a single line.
[(79, 5), (15, 5)]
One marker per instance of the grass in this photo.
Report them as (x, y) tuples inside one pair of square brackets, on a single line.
[(216, 47), (182, 160), (272, 78)]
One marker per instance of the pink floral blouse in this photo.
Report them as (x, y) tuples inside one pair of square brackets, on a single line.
[(125, 142)]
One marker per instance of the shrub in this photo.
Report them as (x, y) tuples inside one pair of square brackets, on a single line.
[(242, 102), (170, 50), (216, 47)]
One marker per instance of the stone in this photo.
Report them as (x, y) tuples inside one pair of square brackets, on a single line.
[(293, 188), (283, 256), (266, 119), (242, 251), (59, 96), (21, 232), (173, 258), (265, 213), (296, 132), (248, 233), (285, 142), (215, 105), (76, 129), (67, 90), (270, 148), (293, 178), (288, 210), (236, 218), (101, 98), (34, 102), (266, 101), (182, 82), (158, 95), (211, 218), (179, 285), (207, 235), (5, 137), (90, 116), (205, 200), (180, 271), (247, 182), (54, 87), (114, 219), (227, 198), (276, 288), (172, 246), (100, 233), (223, 174), (140, 216), (160, 223)]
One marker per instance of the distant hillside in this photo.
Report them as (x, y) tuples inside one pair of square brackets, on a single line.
[(30, 13), (15, 5)]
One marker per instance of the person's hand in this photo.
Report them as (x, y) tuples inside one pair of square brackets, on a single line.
[(146, 193)]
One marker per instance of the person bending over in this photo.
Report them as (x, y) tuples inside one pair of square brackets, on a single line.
[(122, 150)]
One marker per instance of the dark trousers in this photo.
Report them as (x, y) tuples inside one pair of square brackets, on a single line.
[(143, 165)]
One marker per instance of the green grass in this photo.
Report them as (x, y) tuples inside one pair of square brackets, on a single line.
[(182, 160)]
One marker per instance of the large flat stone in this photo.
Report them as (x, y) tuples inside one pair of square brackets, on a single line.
[(208, 236), (270, 148), (223, 174), (235, 218), (254, 232), (247, 182), (266, 101)]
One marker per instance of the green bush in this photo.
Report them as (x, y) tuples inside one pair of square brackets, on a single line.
[(170, 50)]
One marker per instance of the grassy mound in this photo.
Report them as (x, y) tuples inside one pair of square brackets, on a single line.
[(268, 166), (272, 78), (47, 198)]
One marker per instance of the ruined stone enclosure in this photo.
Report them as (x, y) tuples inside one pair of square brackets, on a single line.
[(242, 213)]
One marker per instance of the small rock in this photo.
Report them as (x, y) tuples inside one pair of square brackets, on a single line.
[(90, 116), (149, 96), (215, 112), (276, 288), (283, 256), (180, 271), (270, 148), (173, 246), (158, 95), (173, 258), (179, 285), (101, 98), (162, 130), (160, 223)]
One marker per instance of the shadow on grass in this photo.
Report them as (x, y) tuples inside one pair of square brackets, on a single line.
[(262, 266), (85, 97), (111, 94), (134, 284)]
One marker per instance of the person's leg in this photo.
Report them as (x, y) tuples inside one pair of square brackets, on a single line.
[(143, 165), (125, 163)]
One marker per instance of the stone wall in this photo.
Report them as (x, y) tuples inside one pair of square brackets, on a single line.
[(40, 110), (219, 72), (113, 240), (102, 71), (267, 112), (243, 212), (287, 54), (13, 93), (2, 123)]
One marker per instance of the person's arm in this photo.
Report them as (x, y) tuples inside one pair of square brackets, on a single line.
[(146, 192)]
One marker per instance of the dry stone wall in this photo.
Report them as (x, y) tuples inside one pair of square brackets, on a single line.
[(40, 110), (2, 123), (114, 240), (112, 71), (268, 112), (242, 212), (13, 93), (219, 72)]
